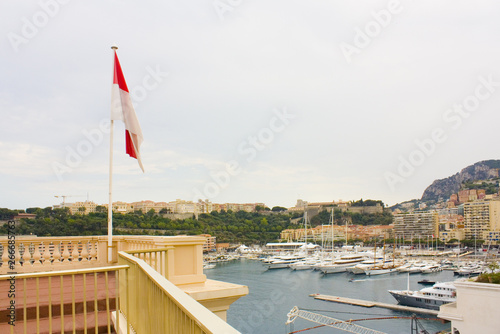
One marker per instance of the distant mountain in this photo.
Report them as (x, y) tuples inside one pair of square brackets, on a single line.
[(444, 188)]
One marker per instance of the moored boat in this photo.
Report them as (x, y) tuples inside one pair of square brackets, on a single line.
[(432, 268), (341, 264), (380, 270), (426, 282), (429, 297), (285, 261)]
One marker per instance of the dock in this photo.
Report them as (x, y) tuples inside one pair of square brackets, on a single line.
[(367, 303)]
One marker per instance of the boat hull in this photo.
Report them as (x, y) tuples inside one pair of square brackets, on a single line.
[(332, 269), (418, 301), (278, 265), (372, 272)]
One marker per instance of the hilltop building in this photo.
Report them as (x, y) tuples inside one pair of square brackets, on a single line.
[(314, 208), (83, 208), (175, 207), (469, 195)]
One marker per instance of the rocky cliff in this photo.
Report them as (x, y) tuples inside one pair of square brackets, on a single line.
[(483, 170)]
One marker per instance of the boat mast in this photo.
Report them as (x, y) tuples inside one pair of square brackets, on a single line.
[(331, 228), (305, 225), (346, 233)]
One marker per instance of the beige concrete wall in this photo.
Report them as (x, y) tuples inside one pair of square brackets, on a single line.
[(476, 308)]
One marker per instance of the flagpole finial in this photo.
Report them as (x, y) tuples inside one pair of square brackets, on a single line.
[(114, 47)]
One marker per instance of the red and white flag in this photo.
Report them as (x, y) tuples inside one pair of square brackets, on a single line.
[(122, 109)]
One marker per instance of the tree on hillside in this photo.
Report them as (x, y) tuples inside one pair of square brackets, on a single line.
[(100, 208)]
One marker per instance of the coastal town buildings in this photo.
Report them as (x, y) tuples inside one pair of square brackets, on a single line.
[(81, 207), (324, 233), (176, 207)]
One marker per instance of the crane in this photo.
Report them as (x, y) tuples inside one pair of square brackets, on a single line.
[(347, 326), (64, 198)]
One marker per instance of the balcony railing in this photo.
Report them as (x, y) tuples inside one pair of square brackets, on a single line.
[(57, 301), (157, 258), (145, 287), (32, 254), (152, 304)]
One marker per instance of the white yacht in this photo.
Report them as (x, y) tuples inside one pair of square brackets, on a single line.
[(386, 268), (285, 261), (366, 264), (431, 268), (208, 265), (305, 264), (416, 268), (341, 265), (470, 269), (429, 297)]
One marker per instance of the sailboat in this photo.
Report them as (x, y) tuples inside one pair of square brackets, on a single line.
[(344, 262), (384, 268), (286, 261), (324, 261)]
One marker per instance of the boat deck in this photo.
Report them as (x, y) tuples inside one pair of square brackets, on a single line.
[(367, 303)]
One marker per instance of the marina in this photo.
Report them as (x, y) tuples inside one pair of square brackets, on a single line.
[(273, 293)]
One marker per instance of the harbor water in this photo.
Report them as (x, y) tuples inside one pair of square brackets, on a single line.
[(273, 293)]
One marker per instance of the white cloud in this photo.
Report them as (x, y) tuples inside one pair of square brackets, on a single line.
[(352, 121)]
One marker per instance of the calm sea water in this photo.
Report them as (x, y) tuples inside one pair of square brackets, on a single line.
[(273, 293)]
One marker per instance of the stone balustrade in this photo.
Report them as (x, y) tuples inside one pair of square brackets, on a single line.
[(179, 259), (34, 254)]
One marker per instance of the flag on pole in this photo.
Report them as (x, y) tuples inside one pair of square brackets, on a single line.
[(122, 109)]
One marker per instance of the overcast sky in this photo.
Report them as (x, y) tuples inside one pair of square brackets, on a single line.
[(247, 100)]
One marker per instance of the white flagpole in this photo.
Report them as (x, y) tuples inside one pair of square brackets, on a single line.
[(110, 206)]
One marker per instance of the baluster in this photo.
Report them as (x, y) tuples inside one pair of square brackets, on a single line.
[(75, 255), (46, 254), (65, 253), (93, 251), (17, 255), (26, 255), (37, 255), (56, 252), (85, 253)]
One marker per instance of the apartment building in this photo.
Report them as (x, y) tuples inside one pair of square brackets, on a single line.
[(482, 220), (451, 226), (417, 224), (210, 244)]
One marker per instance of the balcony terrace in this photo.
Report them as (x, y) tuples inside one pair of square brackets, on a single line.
[(154, 284)]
